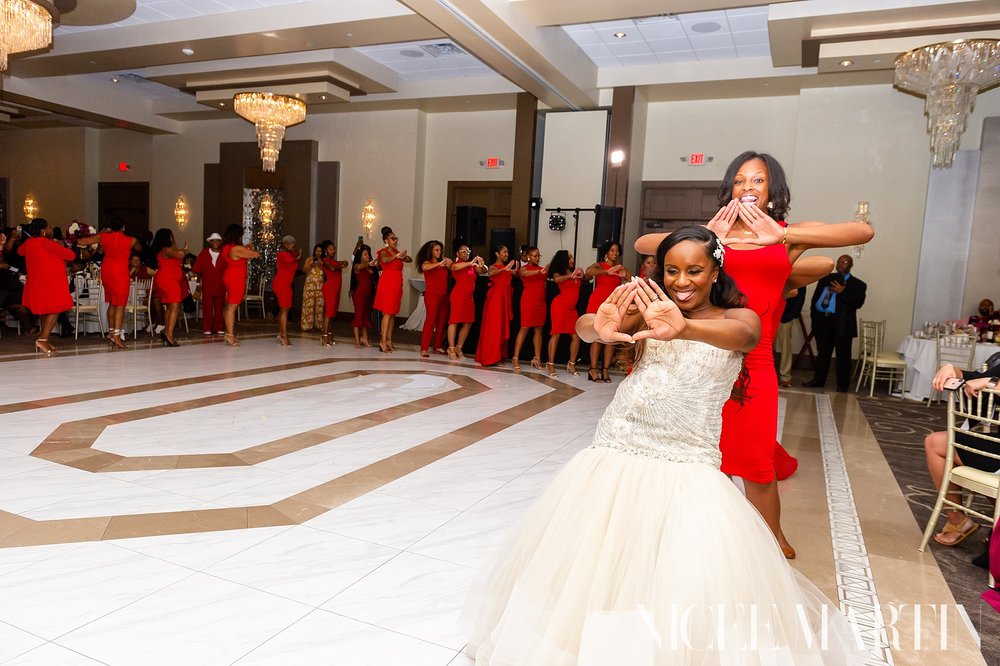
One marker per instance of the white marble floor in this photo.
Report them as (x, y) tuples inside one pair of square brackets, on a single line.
[(376, 573)]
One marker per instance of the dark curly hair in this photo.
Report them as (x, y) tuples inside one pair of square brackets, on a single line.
[(425, 253), (560, 263), (777, 185)]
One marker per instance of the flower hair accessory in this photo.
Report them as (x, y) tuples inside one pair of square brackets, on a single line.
[(719, 253)]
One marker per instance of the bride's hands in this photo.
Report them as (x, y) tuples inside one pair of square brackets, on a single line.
[(611, 313), (766, 230), (662, 316)]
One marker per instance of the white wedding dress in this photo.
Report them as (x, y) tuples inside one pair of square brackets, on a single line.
[(642, 553)]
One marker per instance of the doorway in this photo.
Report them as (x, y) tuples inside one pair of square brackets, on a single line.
[(128, 201), (466, 200)]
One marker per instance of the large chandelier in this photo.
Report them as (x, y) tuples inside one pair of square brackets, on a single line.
[(271, 114), (950, 75), (25, 25)]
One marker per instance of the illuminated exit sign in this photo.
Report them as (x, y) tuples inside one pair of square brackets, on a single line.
[(492, 163), (696, 159)]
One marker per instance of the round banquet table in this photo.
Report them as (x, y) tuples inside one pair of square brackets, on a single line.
[(921, 363)]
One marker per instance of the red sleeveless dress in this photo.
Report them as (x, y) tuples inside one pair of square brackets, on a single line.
[(389, 292), (47, 289), (288, 265), (749, 444), (361, 296), (604, 284), (331, 287), (114, 269), (497, 313), (564, 314), (167, 280), (234, 277), (533, 297), (461, 302)]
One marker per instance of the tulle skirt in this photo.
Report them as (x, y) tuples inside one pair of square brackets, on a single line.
[(628, 559)]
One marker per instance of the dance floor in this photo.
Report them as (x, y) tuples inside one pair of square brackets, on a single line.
[(301, 505)]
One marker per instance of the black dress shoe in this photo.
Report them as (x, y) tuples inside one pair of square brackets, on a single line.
[(812, 383)]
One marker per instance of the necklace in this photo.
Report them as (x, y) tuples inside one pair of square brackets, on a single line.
[(748, 233)]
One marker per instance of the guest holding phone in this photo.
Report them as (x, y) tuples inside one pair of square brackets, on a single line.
[(835, 305)]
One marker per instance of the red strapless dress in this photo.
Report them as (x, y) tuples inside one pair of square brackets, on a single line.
[(461, 302), (389, 292), (361, 296), (564, 314), (749, 444), (167, 280), (234, 276), (497, 313), (533, 297), (603, 286), (114, 269)]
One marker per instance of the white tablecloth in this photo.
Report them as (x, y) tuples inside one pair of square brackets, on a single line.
[(921, 363), (415, 322)]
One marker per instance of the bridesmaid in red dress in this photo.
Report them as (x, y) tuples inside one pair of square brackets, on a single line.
[(389, 292), (46, 289), (331, 290), (607, 273), (114, 275), (167, 282), (288, 266), (759, 256), (434, 267), (362, 294), (462, 306), (563, 311), (497, 311), (533, 277), (234, 276), (648, 266)]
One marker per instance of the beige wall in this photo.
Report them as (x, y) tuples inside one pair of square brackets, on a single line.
[(47, 164)]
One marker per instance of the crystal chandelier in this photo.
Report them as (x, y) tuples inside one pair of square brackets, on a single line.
[(271, 114), (25, 25), (368, 216), (949, 74)]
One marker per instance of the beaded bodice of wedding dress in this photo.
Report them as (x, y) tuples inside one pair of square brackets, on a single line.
[(670, 407)]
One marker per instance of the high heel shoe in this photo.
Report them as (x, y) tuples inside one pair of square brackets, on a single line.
[(516, 363), (537, 363), (452, 354), (283, 341), (551, 369), (594, 375), (167, 342), (571, 369), (231, 340), (329, 342), (42, 345), (115, 339), (382, 348), (606, 375)]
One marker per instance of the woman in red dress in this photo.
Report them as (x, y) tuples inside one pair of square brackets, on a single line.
[(462, 306), (234, 277), (167, 281), (760, 254), (434, 267), (114, 275), (533, 277), (362, 294), (288, 266), (332, 283), (497, 311), (607, 273), (389, 292), (46, 289), (563, 312)]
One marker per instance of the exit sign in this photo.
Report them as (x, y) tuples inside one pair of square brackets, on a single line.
[(696, 159), (493, 162)]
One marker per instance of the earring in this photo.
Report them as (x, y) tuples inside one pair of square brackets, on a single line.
[(715, 280), (770, 205)]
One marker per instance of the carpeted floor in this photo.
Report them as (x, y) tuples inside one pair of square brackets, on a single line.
[(900, 427)]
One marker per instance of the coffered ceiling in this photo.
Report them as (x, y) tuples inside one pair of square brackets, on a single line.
[(152, 65)]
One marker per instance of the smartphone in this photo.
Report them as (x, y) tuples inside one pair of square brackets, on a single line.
[(361, 239), (953, 383)]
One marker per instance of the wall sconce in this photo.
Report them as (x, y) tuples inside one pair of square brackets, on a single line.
[(617, 158), (30, 208), (368, 216), (862, 215), (181, 212)]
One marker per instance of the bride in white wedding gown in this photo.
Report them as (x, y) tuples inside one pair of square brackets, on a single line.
[(641, 552)]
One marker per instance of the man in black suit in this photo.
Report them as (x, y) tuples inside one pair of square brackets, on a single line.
[(835, 305)]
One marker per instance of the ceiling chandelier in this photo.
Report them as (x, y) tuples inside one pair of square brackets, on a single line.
[(271, 114), (950, 75), (25, 25)]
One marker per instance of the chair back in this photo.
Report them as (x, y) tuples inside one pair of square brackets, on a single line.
[(87, 290), (957, 349), (872, 333)]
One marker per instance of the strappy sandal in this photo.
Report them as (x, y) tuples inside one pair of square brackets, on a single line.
[(452, 354), (962, 531), (571, 369), (551, 369), (517, 365), (42, 345), (605, 375), (536, 362), (594, 375)]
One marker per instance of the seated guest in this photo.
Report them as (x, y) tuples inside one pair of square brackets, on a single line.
[(985, 313), (11, 292), (137, 270), (959, 526)]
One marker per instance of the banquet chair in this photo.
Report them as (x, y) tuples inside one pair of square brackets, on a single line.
[(876, 364), (958, 349), (139, 303), (254, 296), (985, 410), (87, 294)]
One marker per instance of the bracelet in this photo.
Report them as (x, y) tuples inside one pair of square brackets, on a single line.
[(784, 238)]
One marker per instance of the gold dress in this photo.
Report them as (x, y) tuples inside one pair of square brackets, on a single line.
[(312, 296)]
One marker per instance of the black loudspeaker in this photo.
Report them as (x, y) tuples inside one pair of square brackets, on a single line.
[(470, 224), (503, 236), (607, 224)]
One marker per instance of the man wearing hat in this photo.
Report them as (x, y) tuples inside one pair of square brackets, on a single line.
[(210, 266)]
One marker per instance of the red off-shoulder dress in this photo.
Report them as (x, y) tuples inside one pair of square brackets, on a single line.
[(497, 313)]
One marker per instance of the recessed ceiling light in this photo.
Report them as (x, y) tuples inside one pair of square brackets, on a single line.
[(845, 63), (222, 103), (187, 52), (114, 79), (620, 35), (705, 27), (322, 96)]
